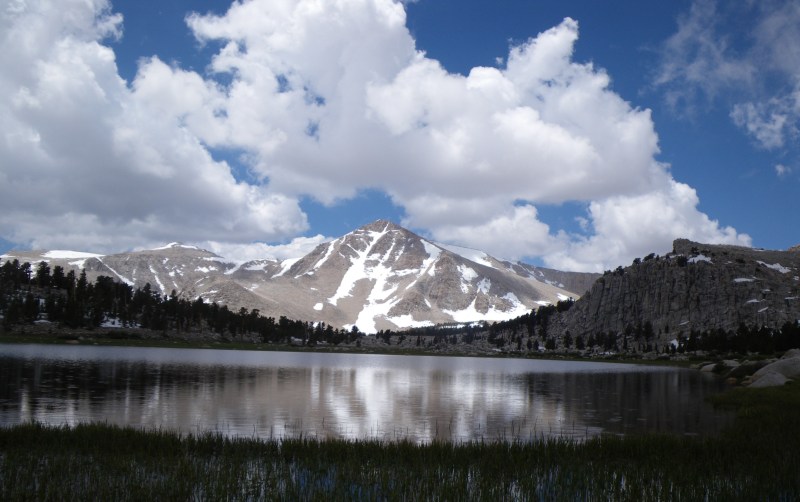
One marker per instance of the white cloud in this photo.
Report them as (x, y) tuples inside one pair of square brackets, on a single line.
[(531, 236), (325, 99), (782, 170), (755, 73), (91, 163), (296, 248), (631, 226)]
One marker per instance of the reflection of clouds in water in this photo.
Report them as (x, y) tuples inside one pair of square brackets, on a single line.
[(352, 396)]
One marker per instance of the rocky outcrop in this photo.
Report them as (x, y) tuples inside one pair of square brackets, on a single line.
[(784, 370), (696, 287)]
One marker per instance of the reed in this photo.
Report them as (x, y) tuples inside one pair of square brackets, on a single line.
[(758, 457)]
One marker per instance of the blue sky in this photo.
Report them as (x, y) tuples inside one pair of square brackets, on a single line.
[(574, 134)]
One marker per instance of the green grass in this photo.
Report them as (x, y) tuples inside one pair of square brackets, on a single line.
[(757, 458)]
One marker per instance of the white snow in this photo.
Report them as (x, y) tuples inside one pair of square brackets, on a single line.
[(776, 266), (78, 263), (158, 281), (234, 266), (204, 270), (762, 310), (286, 265), (327, 255), (428, 264), (61, 254), (113, 322), (743, 279), (699, 258), (406, 321), (484, 285), (174, 245), (433, 254), (752, 301), (542, 303), (470, 254), (318, 306), (470, 313), (563, 298), (123, 279), (377, 303), (467, 275)]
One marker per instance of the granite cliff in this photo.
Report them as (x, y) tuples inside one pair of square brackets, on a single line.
[(695, 287)]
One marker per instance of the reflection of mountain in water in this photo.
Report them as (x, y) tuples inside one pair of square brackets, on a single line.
[(356, 402)]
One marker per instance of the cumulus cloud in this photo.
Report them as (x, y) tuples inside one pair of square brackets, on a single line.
[(756, 76), (326, 99), (625, 225), (92, 163)]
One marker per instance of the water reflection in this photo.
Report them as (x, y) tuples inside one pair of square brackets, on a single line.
[(273, 394)]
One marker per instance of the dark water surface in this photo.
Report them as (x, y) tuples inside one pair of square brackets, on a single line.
[(286, 394)]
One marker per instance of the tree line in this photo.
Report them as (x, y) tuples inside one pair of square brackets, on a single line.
[(69, 300)]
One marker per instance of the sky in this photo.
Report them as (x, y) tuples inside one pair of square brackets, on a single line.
[(572, 134)]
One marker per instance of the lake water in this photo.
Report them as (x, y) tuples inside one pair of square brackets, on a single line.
[(286, 394)]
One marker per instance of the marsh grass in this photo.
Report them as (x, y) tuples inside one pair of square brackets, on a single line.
[(757, 458)]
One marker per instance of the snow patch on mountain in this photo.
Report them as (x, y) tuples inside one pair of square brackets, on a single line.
[(357, 270), (471, 313), (175, 245), (472, 255), (120, 276), (286, 265), (328, 252), (776, 266), (158, 281), (407, 321)]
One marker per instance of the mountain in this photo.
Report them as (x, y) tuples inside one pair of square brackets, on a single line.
[(698, 287), (380, 276)]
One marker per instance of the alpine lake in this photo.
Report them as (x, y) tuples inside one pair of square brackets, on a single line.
[(389, 398)]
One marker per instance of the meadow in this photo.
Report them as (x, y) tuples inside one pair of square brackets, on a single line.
[(757, 458)]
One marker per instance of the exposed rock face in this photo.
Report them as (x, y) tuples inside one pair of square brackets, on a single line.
[(377, 277), (785, 369), (697, 286)]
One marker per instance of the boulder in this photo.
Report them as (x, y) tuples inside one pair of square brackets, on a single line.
[(789, 368), (769, 380)]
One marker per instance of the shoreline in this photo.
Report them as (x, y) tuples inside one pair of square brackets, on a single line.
[(370, 345)]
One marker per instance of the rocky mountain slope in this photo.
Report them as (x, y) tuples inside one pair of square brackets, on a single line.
[(696, 287), (380, 276)]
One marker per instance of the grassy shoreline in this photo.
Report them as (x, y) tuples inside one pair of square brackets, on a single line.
[(758, 457)]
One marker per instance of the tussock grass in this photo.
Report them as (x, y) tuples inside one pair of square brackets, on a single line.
[(757, 458)]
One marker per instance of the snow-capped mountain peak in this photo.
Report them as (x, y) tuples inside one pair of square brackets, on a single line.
[(378, 276)]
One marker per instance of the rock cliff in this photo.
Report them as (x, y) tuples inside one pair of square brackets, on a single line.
[(696, 287)]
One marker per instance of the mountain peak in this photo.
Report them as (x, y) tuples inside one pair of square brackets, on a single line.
[(381, 226)]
